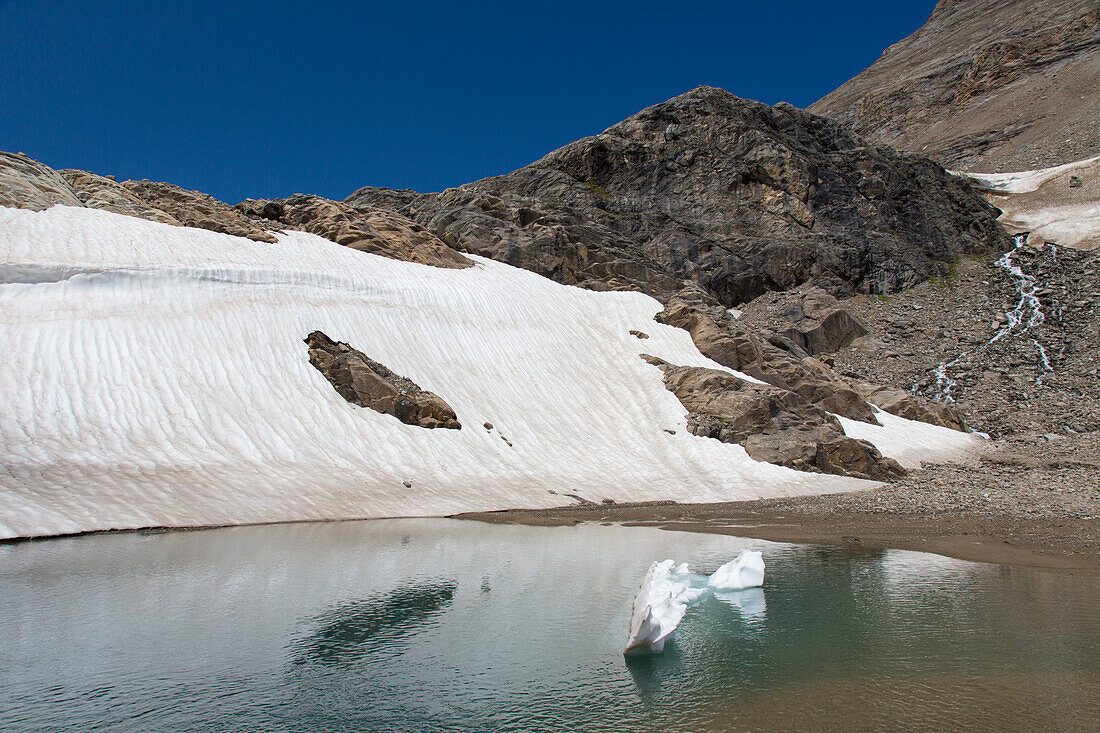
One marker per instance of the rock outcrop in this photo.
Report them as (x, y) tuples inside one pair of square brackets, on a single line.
[(28, 184), (808, 316), (362, 381), (197, 209), (376, 231), (912, 407), (101, 192), (987, 85), (773, 424), (762, 354), (734, 195)]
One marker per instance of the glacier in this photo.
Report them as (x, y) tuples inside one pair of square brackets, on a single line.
[(155, 375)]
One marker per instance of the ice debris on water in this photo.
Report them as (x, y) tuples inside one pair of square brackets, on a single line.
[(744, 571), (668, 589)]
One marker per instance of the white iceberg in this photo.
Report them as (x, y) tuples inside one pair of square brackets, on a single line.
[(658, 609), (668, 589), (744, 571)]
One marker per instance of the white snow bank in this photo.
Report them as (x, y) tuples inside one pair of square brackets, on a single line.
[(1063, 215), (1023, 181), (744, 571), (1070, 225), (156, 376), (910, 443)]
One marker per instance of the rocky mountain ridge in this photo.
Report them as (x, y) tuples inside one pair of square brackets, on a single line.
[(984, 85), (735, 196)]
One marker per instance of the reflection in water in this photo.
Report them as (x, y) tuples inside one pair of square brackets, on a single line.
[(437, 625), (650, 671), (748, 602), (357, 628)]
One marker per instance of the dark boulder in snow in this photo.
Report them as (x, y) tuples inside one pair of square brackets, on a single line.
[(362, 381)]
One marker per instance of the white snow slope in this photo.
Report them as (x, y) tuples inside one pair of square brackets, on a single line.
[(156, 376), (1042, 203)]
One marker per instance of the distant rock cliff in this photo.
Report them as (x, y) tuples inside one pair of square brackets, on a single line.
[(985, 85)]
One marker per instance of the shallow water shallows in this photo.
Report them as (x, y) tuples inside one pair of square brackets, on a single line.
[(442, 625)]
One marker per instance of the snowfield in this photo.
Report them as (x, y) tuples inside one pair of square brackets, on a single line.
[(1041, 202), (156, 376)]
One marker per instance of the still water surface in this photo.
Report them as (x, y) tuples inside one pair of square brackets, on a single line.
[(441, 625)]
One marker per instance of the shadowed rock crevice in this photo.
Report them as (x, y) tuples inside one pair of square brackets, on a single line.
[(362, 381), (772, 424)]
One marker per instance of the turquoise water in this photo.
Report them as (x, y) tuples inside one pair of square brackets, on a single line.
[(441, 625)]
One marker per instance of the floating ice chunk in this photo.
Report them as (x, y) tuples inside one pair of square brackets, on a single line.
[(658, 610), (688, 594), (744, 571)]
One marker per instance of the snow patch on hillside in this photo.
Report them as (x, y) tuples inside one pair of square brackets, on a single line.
[(1044, 204), (156, 376), (1024, 181)]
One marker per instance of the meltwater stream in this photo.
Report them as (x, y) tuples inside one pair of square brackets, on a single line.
[(443, 625), (1024, 316)]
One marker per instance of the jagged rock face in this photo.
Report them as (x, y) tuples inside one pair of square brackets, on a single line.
[(990, 85), (903, 404), (379, 232), (762, 354), (27, 184), (196, 209), (734, 195), (364, 382), (809, 317), (773, 424)]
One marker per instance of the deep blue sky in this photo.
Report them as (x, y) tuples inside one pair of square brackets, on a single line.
[(270, 98)]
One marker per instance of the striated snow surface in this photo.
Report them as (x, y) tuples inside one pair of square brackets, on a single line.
[(156, 376)]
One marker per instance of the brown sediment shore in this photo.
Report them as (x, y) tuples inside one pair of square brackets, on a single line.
[(1023, 503), (1064, 545)]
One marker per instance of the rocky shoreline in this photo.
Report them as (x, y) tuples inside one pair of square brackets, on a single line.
[(1012, 507)]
